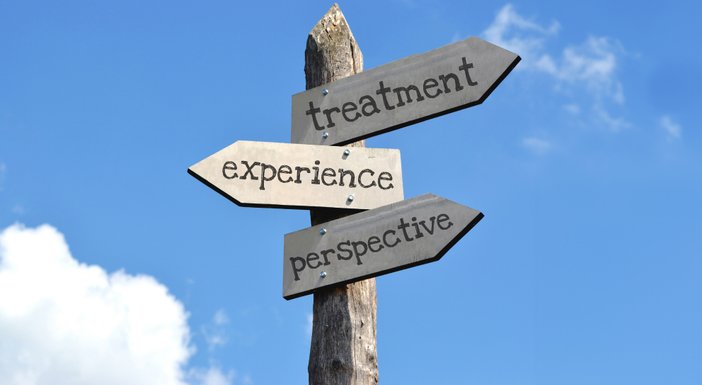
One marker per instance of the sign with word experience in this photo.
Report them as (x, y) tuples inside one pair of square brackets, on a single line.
[(401, 93), (373, 242), (303, 176)]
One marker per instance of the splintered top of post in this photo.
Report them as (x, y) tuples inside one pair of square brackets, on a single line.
[(332, 52)]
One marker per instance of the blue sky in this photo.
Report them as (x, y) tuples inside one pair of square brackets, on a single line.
[(116, 266)]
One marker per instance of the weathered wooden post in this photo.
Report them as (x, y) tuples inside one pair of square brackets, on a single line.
[(330, 258), (343, 348)]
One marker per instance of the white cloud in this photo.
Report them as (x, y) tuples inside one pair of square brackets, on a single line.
[(215, 333), (212, 376), (65, 322), (529, 43), (572, 108), (603, 116), (220, 317), (590, 66), (672, 129), (537, 145)]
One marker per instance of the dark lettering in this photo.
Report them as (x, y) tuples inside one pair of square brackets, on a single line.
[(249, 169), (343, 172), (403, 226), (372, 241), (417, 234), (407, 89), (385, 238), (359, 253), (429, 84), (331, 173), (371, 102), (229, 165), (324, 255), (429, 230), (384, 176), (464, 67), (315, 179), (328, 113), (350, 107), (445, 78), (382, 90), (265, 179), (344, 250), (443, 218), (313, 257), (284, 169), (295, 268), (360, 178), (314, 111), (299, 170)]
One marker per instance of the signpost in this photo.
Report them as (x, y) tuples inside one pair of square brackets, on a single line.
[(401, 93), (372, 243), (343, 248), (303, 176)]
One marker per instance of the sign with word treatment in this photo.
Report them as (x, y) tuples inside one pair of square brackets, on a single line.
[(373, 242), (401, 93), (302, 176)]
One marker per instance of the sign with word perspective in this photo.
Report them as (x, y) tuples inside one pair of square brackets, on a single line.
[(401, 93), (373, 242), (264, 174)]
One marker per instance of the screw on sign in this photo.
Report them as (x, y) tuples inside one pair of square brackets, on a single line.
[(347, 246), (401, 93), (302, 176), (374, 242)]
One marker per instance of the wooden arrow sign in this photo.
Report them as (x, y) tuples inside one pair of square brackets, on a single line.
[(372, 243), (401, 93), (302, 176)]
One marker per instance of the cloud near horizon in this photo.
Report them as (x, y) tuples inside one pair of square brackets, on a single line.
[(66, 322)]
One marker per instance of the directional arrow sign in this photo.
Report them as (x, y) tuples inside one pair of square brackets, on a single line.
[(401, 93), (303, 176), (374, 242)]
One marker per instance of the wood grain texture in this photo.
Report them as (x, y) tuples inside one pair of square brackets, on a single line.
[(343, 347)]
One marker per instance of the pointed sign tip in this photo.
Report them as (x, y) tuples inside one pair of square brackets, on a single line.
[(380, 241)]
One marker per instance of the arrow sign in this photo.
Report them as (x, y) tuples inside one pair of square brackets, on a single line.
[(303, 176), (372, 243), (401, 93)]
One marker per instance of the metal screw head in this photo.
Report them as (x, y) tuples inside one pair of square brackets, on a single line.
[(347, 152), (323, 274), (325, 135), (325, 92), (322, 231), (350, 198)]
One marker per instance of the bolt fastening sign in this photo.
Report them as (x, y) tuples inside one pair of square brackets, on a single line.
[(401, 93), (373, 242), (266, 174)]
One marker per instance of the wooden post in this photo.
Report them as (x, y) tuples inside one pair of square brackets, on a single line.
[(343, 348)]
